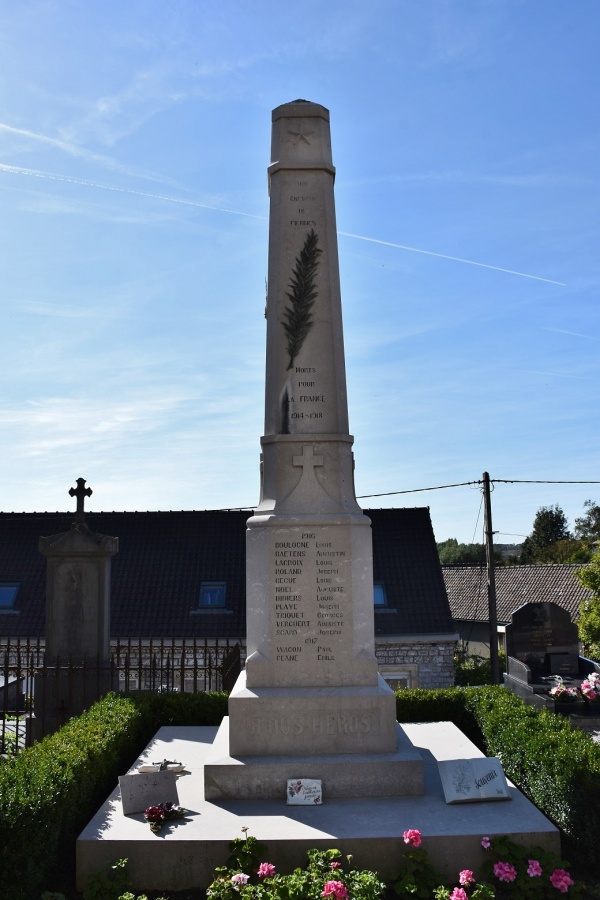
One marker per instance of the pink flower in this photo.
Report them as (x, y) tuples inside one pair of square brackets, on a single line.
[(504, 871), (534, 868), (466, 877), (240, 878), (561, 880), (458, 894), (485, 843), (335, 889), (412, 837), (265, 870), (335, 865)]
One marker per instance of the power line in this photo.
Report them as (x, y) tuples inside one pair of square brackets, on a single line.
[(441, 487), (524, 481)]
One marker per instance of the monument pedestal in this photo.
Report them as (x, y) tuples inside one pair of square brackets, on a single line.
[(308, 720), (395, 774), (347, 737)]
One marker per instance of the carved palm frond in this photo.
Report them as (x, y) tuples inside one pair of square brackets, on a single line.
[(302, 295)]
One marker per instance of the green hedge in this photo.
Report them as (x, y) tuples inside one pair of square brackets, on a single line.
[(556, 766), (443, 705), (49, 792)]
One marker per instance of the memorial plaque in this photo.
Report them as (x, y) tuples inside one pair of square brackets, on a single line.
[(304, 792), (473, 780), (142, 790)]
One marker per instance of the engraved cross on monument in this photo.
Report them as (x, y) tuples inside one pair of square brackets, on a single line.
[(310, 690)]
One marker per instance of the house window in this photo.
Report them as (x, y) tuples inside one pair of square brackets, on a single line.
[(379, 594), (8, 593), (212, 594)]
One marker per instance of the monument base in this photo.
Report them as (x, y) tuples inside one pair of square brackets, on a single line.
[(396, 774), (185, 854), (304, 721)]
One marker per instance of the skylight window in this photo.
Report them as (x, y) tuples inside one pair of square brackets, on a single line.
[(213, 594), (8, 593), (379, 594)]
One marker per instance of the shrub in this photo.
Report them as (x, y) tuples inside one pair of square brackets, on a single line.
[(49, 792), (442, 705), (556, 766)]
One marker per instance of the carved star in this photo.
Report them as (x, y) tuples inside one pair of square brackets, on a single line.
[(301, 136)]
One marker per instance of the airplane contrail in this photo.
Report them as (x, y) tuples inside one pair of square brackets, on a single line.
[(35, 173), (470, 262)]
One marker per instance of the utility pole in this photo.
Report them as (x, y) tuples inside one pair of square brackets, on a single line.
[(491, 580)]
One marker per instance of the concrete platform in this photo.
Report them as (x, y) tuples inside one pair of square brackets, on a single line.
[(185, 854)]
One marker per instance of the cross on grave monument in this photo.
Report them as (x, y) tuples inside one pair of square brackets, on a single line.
[(81, 493), (77, 616), (310, 702)]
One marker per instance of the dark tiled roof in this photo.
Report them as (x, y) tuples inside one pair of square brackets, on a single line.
[(405, 557), (165, 556), (515, 585)]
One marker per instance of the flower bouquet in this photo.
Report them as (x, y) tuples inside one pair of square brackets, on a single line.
[(590, 691), (567, 698), (563, 693), (156, 816)]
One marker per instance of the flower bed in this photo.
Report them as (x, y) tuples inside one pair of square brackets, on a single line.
[(510, 872)]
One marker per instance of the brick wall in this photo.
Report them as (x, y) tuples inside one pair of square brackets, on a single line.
[(419, 663)]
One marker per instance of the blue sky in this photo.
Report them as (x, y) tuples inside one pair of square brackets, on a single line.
[(134, 142)]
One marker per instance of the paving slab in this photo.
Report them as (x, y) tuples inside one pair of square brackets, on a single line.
[(185, 853)]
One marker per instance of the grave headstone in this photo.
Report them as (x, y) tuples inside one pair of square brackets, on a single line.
[(77, 619), (543, 637)]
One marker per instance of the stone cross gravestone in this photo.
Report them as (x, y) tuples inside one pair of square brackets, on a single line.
[(77, 620), (310, 686), (78, 590)]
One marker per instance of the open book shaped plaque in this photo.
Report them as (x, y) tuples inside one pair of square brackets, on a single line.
[(473, 780)]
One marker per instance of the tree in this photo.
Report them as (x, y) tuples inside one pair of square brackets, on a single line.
[(452, 553), (549, 526), (587, 527), (589, 615)]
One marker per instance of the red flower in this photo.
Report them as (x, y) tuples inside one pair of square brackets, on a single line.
[(155, 814)]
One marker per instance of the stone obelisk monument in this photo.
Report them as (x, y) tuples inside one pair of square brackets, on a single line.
[(310, 689)]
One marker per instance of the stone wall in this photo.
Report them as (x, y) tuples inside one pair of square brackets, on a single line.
[(418, 663)]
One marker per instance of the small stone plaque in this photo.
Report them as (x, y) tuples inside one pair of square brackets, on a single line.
[(142, 790), (304, 792), (473, 780)]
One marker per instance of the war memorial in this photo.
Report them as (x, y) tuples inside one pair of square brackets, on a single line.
[(310, 704)]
